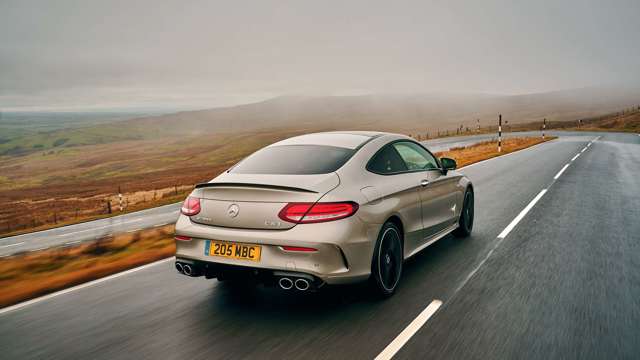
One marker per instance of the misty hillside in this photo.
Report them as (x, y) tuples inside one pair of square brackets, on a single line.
[(399, 113), (394, 112)]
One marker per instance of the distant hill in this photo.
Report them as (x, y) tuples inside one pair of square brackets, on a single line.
[(401, 113), (394, 112)]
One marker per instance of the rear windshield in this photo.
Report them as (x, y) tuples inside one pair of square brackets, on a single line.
[(294, 160)]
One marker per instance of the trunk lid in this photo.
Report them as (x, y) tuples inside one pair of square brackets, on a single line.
[(250, 201)]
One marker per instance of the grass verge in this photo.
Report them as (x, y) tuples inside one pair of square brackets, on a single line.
[(29, 275)]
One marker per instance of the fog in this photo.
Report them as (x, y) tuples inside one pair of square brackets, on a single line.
[(89, 54)]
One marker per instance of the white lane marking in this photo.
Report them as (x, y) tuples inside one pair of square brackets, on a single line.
[(583, 150), (159, 225), (101, 227), (81, 286), (524, 212), (560, 172), (38, 249), (134, 230), (409, 331), (81, 231), (10, 245), (589, 144), (73, 242), (575, 157)]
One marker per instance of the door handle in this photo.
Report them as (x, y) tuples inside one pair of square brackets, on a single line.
[(424, 182)]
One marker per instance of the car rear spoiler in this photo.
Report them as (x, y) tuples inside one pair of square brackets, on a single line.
[(259, 186)]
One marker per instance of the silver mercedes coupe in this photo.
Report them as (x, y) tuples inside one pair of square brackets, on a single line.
[(323, 208)]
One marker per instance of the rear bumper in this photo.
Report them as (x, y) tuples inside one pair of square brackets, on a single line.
[(345, 248), (212, 270)]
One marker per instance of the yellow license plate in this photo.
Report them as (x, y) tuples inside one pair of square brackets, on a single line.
[(234, 250)]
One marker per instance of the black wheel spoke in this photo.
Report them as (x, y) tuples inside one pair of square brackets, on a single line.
[(386, 276)]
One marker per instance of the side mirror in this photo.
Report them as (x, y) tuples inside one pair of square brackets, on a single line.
[(447, 164)]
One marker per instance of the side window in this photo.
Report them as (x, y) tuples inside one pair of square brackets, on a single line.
[(415, 156), (386, 161)]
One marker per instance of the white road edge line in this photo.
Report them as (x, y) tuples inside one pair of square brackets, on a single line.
[(575, 157), (81, 286), (560, 172), (583, 150), (524, 212), (409, 331), (10, 245), (159, 225), (134, 230)]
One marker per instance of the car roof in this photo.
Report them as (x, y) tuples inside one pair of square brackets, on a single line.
[(343, 139)]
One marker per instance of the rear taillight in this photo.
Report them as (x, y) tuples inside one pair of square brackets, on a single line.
[(191, 206), (298, 249), (306, 213), (182, 238)]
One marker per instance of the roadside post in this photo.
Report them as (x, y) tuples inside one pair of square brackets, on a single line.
[(544, 126), (120, 198), (478, 121), (500, 133)]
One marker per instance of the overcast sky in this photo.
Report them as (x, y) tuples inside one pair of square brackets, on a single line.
[(211, 53)]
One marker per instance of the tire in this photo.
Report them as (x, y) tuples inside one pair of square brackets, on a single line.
[(386, 266), (465, 223)]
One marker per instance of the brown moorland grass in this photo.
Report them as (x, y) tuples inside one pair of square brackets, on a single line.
[(622, 122), (68, 217), (34, 274)]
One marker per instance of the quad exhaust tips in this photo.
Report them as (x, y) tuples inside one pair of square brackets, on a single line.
[(300, 284), (284, 280)]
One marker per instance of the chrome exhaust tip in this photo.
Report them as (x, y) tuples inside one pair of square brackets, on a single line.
[(285, 283), (179, 268), (302, 284), (187, 269)]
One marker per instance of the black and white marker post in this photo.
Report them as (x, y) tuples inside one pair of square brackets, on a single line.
[(544, 126), (120, 198), (500, 133)]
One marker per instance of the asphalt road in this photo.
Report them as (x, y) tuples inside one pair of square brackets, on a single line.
[(92, 230), (563, 282), (89, 231)]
